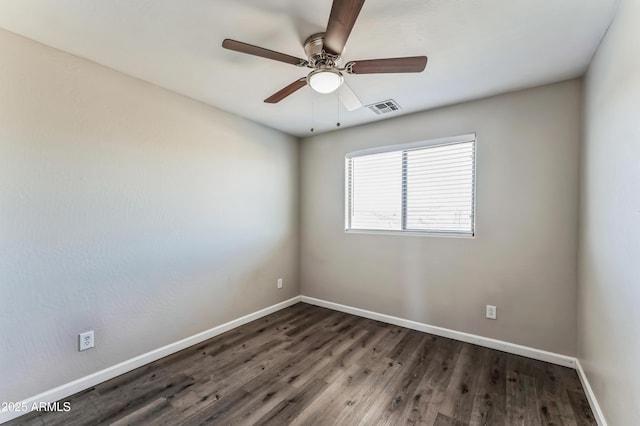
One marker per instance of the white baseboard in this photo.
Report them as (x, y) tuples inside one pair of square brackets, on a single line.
[(591, 397), (86, 382), (554, 358)]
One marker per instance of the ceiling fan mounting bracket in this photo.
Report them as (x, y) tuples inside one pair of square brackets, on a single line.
[(318, 56), (348, 68)]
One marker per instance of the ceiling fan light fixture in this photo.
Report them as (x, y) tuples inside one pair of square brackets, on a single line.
[(325, 80)]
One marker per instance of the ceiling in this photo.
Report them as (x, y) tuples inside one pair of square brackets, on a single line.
[(476, 48)]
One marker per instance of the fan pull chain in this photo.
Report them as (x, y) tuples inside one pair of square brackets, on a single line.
[(312, 110), (338, 106)]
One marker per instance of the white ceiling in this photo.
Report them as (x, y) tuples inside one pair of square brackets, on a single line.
[(476, 48)]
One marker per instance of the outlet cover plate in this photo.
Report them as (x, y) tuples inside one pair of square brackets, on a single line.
[(86, 341), (491, 312)]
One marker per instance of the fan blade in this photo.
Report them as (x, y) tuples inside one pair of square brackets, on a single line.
[(283, 93), (250, 49), (389, 65), (341, 20), (348, 98)]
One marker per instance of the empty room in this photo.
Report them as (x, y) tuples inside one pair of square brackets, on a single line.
[(328, 212)]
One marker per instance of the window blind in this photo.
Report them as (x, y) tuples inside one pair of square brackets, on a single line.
[(376, 195), (427, 187)]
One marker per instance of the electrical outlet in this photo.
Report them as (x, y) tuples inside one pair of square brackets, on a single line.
[(85, 341), (279, 282), (491, 312)]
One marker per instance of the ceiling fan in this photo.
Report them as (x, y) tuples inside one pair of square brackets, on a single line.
[(324, 52)]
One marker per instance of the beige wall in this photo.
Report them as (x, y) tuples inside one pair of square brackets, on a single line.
[(609, 273), (524, 256), (127, 209)]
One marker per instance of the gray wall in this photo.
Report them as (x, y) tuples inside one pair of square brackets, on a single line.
[(609, 273), (127, 209), (524, 256)]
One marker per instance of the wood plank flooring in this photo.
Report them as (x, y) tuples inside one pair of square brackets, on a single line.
[(307, 365)]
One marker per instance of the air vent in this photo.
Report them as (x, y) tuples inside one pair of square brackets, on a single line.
[(384, 107)]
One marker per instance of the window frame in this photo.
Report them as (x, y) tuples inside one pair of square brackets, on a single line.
[(452, 140)]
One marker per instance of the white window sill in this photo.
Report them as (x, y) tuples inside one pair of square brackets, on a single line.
[(410, 233)]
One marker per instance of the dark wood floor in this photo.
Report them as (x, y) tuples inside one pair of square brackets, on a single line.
[(307, 365)]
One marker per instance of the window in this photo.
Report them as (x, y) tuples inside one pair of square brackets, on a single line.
[(423, 187)]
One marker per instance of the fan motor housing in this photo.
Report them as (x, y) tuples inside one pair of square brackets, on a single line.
[(318, 58)]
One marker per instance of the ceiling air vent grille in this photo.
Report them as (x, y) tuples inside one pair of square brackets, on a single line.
[(384, 107)]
